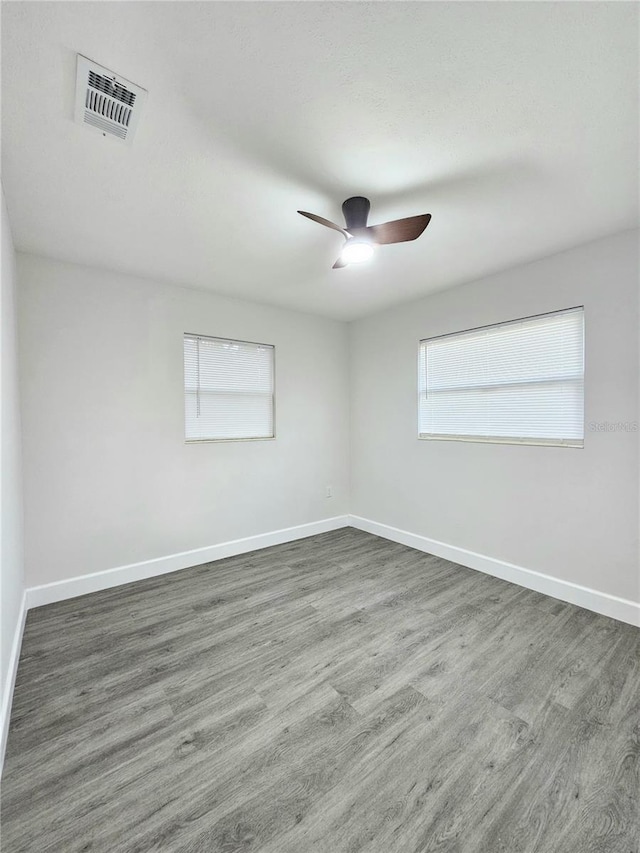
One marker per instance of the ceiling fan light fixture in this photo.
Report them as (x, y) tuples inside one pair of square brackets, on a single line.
[(361, 239), (356, 251)]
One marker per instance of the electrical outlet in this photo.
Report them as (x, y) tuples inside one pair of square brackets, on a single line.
[(329, 492)]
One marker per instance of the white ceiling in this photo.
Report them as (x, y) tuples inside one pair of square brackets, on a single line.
[(514, 124)]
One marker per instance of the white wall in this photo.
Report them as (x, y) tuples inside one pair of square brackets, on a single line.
[(11, 564), (564, 512), (108, 478)]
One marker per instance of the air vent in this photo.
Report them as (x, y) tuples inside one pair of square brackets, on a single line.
[(106, 102)]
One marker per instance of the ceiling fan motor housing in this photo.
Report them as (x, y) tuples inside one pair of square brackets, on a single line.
[(356, 212)]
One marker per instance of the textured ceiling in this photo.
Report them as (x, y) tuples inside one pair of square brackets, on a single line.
[(514, 124)]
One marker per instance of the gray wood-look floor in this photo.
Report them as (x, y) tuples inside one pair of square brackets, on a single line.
[(337, 694)]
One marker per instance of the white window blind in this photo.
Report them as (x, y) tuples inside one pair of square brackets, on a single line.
[(521, 381), (228, 389)]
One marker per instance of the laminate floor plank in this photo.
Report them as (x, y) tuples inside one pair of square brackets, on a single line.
[(338, 694)]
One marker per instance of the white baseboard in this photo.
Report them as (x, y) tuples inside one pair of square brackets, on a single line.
[(7, 693), (600, 602), (591, 599), (73, 587)]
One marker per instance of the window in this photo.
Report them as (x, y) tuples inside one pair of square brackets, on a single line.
[(228, 389), (515, 382)]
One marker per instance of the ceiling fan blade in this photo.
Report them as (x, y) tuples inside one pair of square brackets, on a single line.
[(324, 221), (339, 264), (399, 230)]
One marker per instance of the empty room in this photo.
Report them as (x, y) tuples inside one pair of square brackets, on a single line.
[(320, 445)]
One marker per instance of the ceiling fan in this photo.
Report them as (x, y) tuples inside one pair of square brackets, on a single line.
[(361, 238)]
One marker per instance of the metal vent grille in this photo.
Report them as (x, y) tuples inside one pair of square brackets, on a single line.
[(110, 87), (106, 102)]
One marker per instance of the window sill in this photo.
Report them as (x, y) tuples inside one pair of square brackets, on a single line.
[(226, 440), (478, 439)]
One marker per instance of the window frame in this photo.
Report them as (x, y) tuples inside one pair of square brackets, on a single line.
[(272, 347), (577, 444)]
